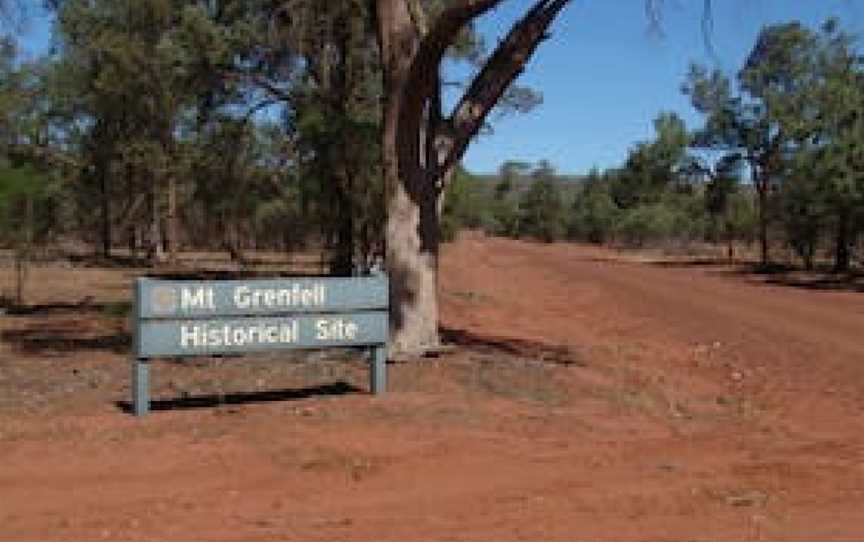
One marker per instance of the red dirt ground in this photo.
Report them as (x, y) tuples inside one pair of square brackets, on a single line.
[(587, 398)]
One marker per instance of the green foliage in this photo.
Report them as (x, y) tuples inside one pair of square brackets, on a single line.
[(638, 225), (652, 166), (542, 207), (262, 125), (26, 201), (465, 206), (795, 120), (595, 213)]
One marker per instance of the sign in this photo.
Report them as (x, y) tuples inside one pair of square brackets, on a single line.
[(200, 318), (158, 299)]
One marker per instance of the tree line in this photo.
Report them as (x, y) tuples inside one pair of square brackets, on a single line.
[(157, 125), (162, 125), (776, 161)]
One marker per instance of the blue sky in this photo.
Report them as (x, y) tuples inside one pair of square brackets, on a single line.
[(604, 77)]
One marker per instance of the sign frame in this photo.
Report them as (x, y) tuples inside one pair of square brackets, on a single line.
[(285, 312)]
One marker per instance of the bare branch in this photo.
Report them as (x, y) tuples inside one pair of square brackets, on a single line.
[(503, 67), (420, 93)]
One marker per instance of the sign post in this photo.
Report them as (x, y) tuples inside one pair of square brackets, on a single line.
[(200, 318)]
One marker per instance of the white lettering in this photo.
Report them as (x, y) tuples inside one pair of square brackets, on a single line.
[(214, 337), (336, 329), (188, 334), (196, 298), (321, 326), (241, 297), (206, 335), (250, 298)]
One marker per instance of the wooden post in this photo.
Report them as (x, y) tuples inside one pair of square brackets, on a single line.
[(378, 370), (140, 386)]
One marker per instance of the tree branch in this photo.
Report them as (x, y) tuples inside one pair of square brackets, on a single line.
[(422, 86), (260, 82), (503, 67), (418, 14)]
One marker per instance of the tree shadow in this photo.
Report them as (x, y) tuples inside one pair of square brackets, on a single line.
[(245, 398), (115, 261), (819, 280), (120, 308), (693, 262), (555, 354), (56, 339), (777, 274)]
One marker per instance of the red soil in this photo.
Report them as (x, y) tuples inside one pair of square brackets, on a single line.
[(588, 399)]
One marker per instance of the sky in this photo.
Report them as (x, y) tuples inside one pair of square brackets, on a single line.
[(605, 76)]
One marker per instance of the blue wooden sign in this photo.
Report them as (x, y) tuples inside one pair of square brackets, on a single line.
[(161, 299), (199, 318)]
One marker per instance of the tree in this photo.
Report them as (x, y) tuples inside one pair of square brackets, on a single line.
[(720, 193), (759, 124), (27, 188), (834, 147), (421, 147), (594, 211), (135, 75), (541, 206), (653, 166), (25, 215), (464, 205)]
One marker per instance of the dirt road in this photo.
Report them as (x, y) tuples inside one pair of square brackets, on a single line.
[(587, 398)]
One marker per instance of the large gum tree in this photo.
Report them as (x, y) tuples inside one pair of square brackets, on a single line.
[(421, 145)]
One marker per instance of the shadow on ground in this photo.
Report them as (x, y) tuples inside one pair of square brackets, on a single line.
[(245, 398), (63, 340), (559, 355), (691, 262), (120, 308), (822, 279)]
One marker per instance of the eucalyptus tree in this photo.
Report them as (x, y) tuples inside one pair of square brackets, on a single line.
[(28, 187), (421, 145), (542, 206), (722, 202), (830, 166), (336, 107), (762, 122), (653, 166), (133, 80)]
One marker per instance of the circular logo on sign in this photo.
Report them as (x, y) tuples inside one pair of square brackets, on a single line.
[(163, 299)]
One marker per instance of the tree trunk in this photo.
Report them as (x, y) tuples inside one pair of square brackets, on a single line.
[(808, 256), (842, 252), (171, 220), (764, 248), (20, 275), (157, 253), (412, 241), (413, 271), (730, 247), (343, 259), (105, 204), (24, 251)]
